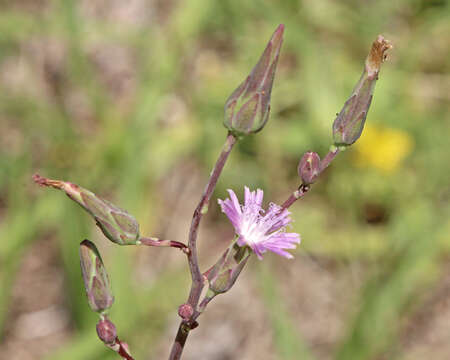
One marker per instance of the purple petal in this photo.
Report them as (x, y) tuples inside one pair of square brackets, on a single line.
[(258, 250), (247, 196), (241, 241), (259, 197), (283, 253), (235, 201), (231, 212)]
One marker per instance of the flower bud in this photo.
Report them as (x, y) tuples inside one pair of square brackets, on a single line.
[(248, 107), (95, 277), (309, 167), (349, 123), (116, 224), (225, 272), (185, 311), (106, 331)]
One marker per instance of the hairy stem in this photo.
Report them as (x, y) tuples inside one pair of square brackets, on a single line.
[(197, 277)]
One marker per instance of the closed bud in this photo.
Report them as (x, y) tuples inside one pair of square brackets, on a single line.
[(225, 272), (309, 167), (95, 278), (106, 331), (248, 107), (349, 123), (116, 224), (185, 311)]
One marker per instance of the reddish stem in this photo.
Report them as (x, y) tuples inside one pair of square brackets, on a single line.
[(123, 351), (297, 194), (120, 348), (328, 158), (164, 243), (197, 277), (201, 209)]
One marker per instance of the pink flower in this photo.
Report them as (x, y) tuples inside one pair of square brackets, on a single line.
[(260, 230)]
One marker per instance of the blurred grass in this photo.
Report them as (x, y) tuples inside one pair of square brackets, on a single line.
[(387, 296), (64, 112), (289, 343)]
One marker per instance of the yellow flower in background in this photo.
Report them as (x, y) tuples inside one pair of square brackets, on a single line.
[(383, 148)]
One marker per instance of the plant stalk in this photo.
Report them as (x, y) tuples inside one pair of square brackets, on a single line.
[(197, 277)]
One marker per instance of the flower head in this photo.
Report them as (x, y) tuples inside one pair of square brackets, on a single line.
[(259, 229)]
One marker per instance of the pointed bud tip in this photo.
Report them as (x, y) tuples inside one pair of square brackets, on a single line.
[(277, 37), (89, 244), (247, 109), (86, 242), (280, 29)]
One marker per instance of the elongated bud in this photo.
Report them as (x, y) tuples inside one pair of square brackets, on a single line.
[(309, 167), (248, 107), (225, 272), (116, 224), (95, 277), (349, 123), (106, 331)]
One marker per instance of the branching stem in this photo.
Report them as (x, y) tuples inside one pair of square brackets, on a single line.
[(303, 188), (197, 277)]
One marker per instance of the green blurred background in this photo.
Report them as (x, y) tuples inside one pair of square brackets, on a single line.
[(126, 99)]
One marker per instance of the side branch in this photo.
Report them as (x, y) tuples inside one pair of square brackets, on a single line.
[(152, 241), (328, 158), (201, 209), (304, 188), (297, 194), (197, 278)]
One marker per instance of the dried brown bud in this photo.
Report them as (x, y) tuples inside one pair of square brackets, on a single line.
[(349, 123), (377, 56)]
